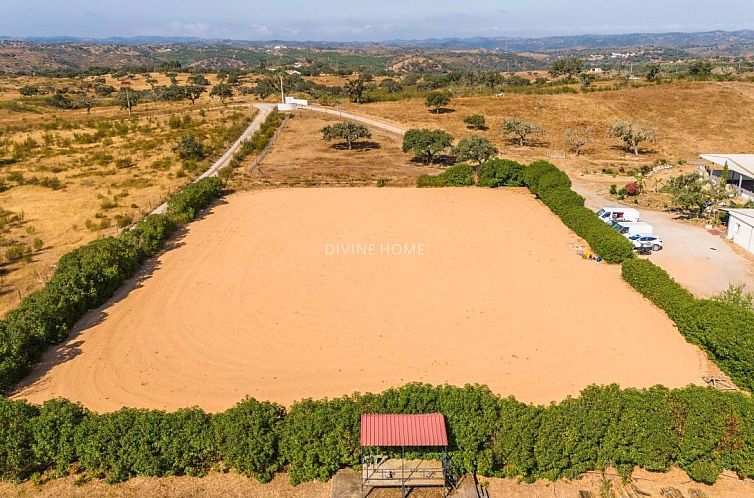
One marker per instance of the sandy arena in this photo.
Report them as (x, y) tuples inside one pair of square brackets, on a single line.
[(264, 297)]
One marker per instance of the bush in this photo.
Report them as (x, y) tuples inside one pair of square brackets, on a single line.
[(632, 188), (459, 175), (721, 329), (248, 438), (16, 439), (475, 122), (553, 187), (148, 235), (184, 205), (189, 148), (701, 430), (501, 173)]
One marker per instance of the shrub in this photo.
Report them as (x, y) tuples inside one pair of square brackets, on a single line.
[(553, 187), (721, 329), (632, 188), (501, 173), (459, 175), (613, 189), (189, 148), (475, 122), (248, 438), (184, 205), (16, 439), (54, 431)]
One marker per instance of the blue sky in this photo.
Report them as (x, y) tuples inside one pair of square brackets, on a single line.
[(363, 20)]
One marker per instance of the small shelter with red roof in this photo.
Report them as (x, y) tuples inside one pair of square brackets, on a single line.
[(382, 432)]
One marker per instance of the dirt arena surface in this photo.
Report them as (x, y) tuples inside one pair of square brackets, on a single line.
[(463, 286)]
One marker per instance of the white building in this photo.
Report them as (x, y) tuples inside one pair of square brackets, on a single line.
[(741, 228)]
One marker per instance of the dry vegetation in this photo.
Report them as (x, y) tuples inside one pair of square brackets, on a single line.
[(301, 158), (691, 118), (68, 176)]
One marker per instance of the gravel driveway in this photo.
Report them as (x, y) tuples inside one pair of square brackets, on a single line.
[(704, 263)]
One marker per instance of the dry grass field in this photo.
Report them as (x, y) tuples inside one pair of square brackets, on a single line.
[(256, 301), (222, 485), (301, 158), (68, 176), (691, 118)]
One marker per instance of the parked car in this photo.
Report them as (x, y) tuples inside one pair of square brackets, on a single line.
[(646, 240), (629, 228), (611, 214)]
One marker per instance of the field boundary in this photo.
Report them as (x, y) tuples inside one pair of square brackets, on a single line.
[(224, 160)]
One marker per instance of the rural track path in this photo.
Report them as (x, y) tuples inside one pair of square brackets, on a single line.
[(359, 118), (704, 263), (224, 160)]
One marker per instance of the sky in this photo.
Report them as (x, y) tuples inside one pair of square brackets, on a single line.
[(366, 20)]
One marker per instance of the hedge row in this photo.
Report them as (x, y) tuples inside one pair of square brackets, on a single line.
[(699, 429), (553, 187), (724, 331), (459, 175), (84, 279)]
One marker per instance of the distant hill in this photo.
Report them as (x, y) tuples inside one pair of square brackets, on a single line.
[(722, 40), (65, 54)]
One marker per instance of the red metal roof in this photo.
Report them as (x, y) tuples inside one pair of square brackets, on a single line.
[(403, 430)]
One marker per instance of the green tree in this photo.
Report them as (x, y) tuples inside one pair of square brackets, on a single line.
[(60, 101), (520, 129), (653, 72), (29, 90), (700, 69), (355, 89), (477, 149), (190, 148), (567, 66), (689, 193), (391, 86), (222, 90), (85, 102), (632, 134), (426, 144), (193, 92), (127, 98), (347, 130), (475, 122), (437, 100), (198, 79)]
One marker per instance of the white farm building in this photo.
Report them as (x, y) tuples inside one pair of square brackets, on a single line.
[(741, 227)]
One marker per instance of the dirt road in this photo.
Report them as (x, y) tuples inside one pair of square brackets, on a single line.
[(224, 160)]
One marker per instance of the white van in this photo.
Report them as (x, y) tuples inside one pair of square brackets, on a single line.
[(611, 214), (629, 228)]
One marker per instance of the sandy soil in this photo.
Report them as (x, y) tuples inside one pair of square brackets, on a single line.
[(234, 485), (252, 302)]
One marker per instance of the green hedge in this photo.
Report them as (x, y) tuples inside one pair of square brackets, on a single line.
[(459, 175), (553, 187), (724, 331), (699, 429), (86, 278), (501, 173)]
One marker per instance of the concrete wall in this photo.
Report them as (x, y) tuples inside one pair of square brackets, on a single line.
[(741, 231)]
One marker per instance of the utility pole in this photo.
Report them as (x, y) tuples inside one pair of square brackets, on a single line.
[(282, 93)]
